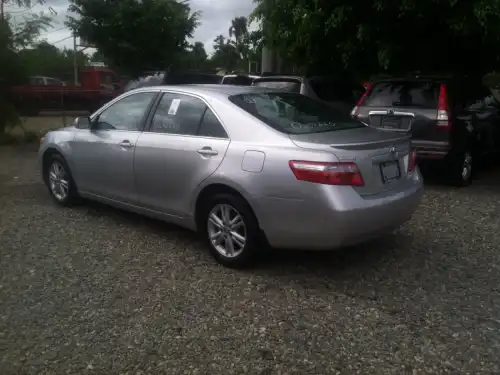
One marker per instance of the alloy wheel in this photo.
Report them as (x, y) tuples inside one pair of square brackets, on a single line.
[(226, 230), (58, 181)]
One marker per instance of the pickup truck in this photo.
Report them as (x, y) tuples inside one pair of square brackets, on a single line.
[(97, 86)]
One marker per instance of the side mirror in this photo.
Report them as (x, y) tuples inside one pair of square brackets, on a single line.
[(82, 122)]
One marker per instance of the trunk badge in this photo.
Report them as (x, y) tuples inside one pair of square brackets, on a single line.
[(390, 112)]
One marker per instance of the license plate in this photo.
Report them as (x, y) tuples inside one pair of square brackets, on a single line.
[(391, 122), (390, 171)]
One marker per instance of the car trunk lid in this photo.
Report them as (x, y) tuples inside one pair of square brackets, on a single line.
[(381, 157)]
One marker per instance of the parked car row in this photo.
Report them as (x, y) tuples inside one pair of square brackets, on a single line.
[(281, 161)]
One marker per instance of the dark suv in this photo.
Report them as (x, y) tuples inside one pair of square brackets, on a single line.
[(453, 120)]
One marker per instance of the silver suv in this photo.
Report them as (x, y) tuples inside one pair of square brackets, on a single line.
[(339, 94)]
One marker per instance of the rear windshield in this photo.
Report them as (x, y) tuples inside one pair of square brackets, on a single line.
[(334, 90), (285, 85), (421, 94), (294, 113)]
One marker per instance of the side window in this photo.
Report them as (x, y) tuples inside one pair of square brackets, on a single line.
[(178, 114), (37, 81), (53, 82), (211, 127), (126, 114)]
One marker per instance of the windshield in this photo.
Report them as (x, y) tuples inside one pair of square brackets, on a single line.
[(289, 85), (294, 113)]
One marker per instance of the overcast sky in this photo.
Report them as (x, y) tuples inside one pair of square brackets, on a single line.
[(216, 18)]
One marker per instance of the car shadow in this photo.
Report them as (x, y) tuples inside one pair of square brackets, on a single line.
[(98, 209), (357, 258), (289, 261)]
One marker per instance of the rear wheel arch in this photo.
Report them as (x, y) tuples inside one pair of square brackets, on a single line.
[(210, 191)]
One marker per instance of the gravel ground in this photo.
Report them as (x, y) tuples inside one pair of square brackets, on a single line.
[(93, 290)]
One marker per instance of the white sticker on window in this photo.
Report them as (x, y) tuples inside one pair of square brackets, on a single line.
[(174, 107)]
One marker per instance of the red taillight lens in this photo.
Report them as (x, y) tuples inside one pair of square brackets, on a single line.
[(412, 161), (443, 119), (355, 110), (343, 173)]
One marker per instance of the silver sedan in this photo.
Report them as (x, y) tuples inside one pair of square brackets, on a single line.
[(244, 166)]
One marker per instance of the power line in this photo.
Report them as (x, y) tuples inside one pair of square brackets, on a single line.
[(53, 31), (63, 39)]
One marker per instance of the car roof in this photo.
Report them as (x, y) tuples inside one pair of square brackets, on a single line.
[(278, 77), (271, 78), (217, 90)]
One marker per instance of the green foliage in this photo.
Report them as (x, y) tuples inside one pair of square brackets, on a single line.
[(136, 35), (28, 25), (391, 35), (242, 46), (47, 60), (10, 73), (225, 54), (12, 70), (195, 57)]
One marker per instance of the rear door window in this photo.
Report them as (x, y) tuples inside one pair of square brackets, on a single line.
[(178, 114), (419, 94), (289, 85)]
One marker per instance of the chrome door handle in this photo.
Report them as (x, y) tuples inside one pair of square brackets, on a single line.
[(207, 151), (126, 144)]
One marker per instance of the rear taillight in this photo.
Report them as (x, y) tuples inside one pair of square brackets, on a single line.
[(412, 161), (342, 173), (355, 110), (443, 115)]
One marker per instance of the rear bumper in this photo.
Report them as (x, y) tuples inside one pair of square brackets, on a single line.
[(323, 223)]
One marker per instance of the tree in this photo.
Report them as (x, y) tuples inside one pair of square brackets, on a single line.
[(225, 54), (26, 31), (12, 70), (386, 35), (48, 60), (239, 29), (195, 57), (135, 35)]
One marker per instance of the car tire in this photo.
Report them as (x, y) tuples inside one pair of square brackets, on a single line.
[(461, 169), (59, 181), (231, 231)]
